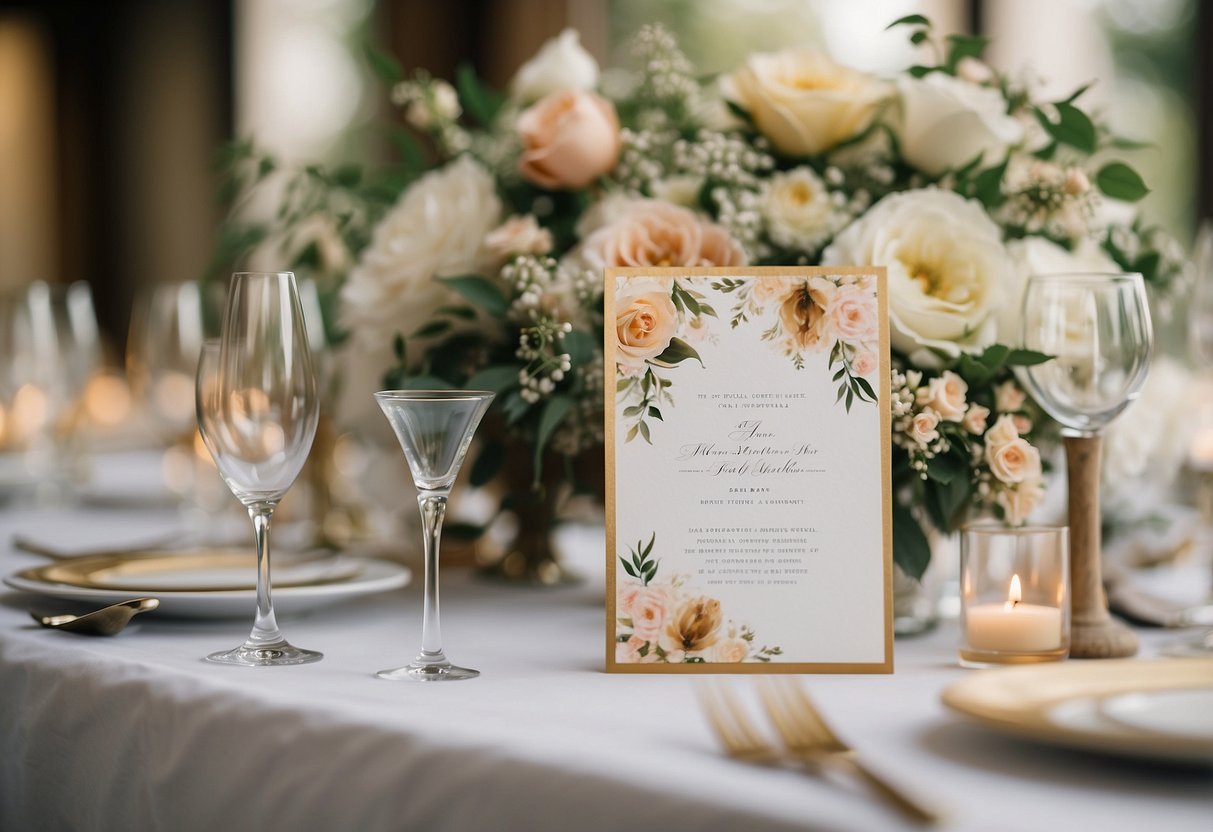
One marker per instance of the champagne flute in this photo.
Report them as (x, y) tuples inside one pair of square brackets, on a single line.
[(435, 428), (1097, 329), (162, 351), (257, 406)]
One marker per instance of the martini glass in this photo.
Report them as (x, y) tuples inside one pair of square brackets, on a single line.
[(435, 428)]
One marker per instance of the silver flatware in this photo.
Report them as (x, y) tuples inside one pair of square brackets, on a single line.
[(106, 621)]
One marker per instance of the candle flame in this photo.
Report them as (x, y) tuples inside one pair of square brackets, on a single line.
[(1015, 595)]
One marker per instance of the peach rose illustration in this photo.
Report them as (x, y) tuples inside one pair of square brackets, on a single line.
[(647, 232), (626, 597), (1014, 462), (803, 315), (627, 651), (569, 139), (731, 650), (645, 321), (770, 288), (864, 364), (650, 609), (853, 314), (696, 624)]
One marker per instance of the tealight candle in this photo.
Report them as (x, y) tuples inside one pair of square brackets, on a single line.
[(1014, 595)]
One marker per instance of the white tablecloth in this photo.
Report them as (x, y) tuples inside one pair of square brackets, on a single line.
[(136, 732)]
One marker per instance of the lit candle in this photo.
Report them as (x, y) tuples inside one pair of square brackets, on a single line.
[(1013, 627)]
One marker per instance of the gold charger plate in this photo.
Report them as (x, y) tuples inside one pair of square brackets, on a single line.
[(194, 570), (1060, 704)]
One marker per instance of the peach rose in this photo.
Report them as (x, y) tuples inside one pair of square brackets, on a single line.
[(1008, 397), (625, 598), (645, 321), (569, 139), (1019, 502), (627, 651), (946, 396), (650, 609), (923, 428), (975, 419), (647, 232), (864, 364), (731, 650), (518, 235), (853, 314), (803, 314), (1014, 462), (767, 289), (1022, 424), (1004, 431)]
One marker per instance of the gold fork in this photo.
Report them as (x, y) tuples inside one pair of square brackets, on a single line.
[(741, 740), (807, 737)]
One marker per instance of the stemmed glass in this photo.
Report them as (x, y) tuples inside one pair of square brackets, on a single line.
[(162, 351), (435, 428), (257, 406), (1097, 329)]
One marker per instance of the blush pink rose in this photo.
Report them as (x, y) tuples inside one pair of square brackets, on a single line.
[(923, 428), (1014, 462), (650, 609), (1008, 397), (647, 232), (854, 314), (518, 235), (625, 598), (627, 652), (864, 364), (975, 419), (1022, 424), (946, 396), (569, 139)]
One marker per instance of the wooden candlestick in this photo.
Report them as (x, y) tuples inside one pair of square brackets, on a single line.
[(1094, 634)]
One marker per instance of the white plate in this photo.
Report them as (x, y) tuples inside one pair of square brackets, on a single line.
[(1180, 713), (369, 576)]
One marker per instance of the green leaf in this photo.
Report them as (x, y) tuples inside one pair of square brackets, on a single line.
[(910, 20), (412, 156), (964, 46), (580, 347), (1119, 181), (644, 431), (995, 356), (436, 327), (919, 36), (495, 379), (739, 111), (1026, 358), (866, 388), (677, 352), (478, 291), (554, 411), (385, 66), (478, 100), (627, 567), (923, 71), (464, 312), (1073, 127), (648, 549), (347, 176), (946, 467), (988, 186), (911, 551), (655, 413), (488, 464)]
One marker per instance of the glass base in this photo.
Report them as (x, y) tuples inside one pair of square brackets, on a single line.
[(265, 655), (988, 658), (428, 672)]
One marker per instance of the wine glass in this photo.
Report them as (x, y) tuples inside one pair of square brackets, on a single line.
[(163, 345), (435, 428), (1097, 329), (257, 408)]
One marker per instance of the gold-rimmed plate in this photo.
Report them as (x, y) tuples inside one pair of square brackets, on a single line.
[(1063, 704), (210, 583)]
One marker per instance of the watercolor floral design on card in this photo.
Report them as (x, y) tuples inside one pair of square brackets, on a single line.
[(833, 314), (656, 324), (667, 622)]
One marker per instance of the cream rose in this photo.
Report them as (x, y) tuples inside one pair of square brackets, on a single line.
[(947, 122), (946, 396), (731, 650), (569, 139), (946, 266), (1003, 432), (1008, 398), (646, 232), (650, 610), (854, 314), (1036, 255), (438, 227), (1014, 462), (975, 419), (923, 428), (804, 102), (798, 210), (560, 64), (518, 235), (645, 321)]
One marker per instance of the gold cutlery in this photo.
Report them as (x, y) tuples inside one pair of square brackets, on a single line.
[(106, 621), (807, 736)]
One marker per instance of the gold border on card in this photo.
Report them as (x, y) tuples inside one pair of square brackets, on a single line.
[(886, 462)]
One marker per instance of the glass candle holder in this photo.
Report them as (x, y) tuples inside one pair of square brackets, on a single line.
[(1014, 594)]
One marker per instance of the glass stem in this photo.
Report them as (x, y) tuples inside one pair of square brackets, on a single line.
[(265, 627), (433, 509)]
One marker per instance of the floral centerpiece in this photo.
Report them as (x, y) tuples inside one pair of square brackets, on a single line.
[(483, 267)]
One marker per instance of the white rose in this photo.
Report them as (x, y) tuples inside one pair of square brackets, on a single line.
[(798, 210), (437, 228), (947, 269), (804, 102), (947, 122), (561, 63), (1036, 255)]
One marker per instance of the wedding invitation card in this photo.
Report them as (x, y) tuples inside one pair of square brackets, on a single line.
[(748, 481)]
